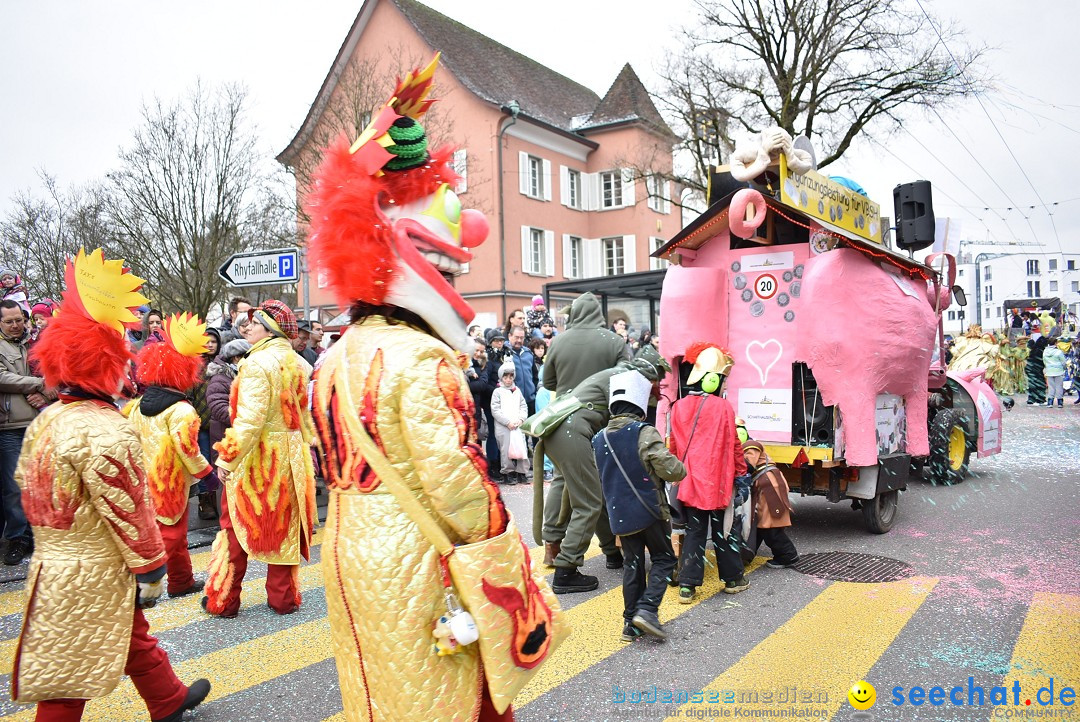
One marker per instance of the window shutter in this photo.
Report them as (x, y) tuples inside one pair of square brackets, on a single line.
[(627, 187), (567, 257), (547, 180), (667, 197), (590, 191), (461, 167), (523, 172), (629, 254), (526, 251), (593, 261), (564, 185), (549, 253)]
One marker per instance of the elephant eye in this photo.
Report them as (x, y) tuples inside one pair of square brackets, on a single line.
[(452, 206)]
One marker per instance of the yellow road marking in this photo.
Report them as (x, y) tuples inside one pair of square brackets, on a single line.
[(830, 644), (597, 624), (1046, 649)]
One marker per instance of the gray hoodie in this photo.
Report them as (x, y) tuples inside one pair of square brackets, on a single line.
[(584, 348)]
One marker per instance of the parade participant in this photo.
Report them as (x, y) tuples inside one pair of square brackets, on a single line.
[(99, 555), (168, 427), (771, 507), (570, 446), (268, 495), (1036, 379), (634, 463), (397, 426), (704, 437), (583, 349)]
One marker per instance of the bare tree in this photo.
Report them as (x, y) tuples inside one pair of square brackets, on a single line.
[(41, 231), (826, 69), (191, 190)]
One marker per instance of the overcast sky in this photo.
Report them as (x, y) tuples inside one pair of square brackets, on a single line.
[(76, 72)]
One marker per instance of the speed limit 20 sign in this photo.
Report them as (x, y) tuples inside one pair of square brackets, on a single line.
[(765, 287)]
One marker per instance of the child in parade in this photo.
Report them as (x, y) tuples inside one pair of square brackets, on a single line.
[(509, 409), (168, 426), (634, 463), (771, 507), (704, 437)]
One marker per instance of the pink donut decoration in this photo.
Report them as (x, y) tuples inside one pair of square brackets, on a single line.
[(737, 213)]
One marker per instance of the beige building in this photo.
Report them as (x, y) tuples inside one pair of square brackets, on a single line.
[(567, 178)]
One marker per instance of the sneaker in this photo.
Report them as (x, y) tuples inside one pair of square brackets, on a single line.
[(18, 549), (548, 475), (686, 595), (614, 561), (196, 586), (630, 632), (739, 585), (649, 623), (776, 564), (507, 479), (195, 695), (568, 580)]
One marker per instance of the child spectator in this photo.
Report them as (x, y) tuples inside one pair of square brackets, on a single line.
[(704, 437), (771, 508), (634, 463), (509, 409), (536, 317), (14, 290), (1054, 370)]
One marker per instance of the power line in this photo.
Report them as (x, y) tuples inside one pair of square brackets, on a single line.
[(978, 98)]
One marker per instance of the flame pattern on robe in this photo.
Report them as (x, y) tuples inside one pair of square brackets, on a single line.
[(530, 615), (267, 450)]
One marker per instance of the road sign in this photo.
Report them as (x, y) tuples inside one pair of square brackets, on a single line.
[(262, 268)]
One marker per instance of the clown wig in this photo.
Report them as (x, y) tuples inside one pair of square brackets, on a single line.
[(79, 353), (159, 364)]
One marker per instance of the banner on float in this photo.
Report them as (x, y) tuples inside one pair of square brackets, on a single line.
[(823, 198)]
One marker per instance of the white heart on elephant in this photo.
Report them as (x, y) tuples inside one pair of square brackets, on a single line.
[(766, 359)]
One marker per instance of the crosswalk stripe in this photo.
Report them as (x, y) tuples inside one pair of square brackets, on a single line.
[(242, 662), (827, 646), (597, 623), (1046, 648)]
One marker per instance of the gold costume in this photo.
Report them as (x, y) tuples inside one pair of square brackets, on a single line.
[(382, 576), (174, 462), (84, 493), (271, 485)]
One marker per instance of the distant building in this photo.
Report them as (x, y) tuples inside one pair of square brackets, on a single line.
[(581, 191), (1017, 277)]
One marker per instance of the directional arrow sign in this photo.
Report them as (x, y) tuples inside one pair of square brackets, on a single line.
[(262, 268)]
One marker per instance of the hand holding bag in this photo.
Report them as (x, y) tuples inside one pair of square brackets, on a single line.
[(518, 616), (518, 448)]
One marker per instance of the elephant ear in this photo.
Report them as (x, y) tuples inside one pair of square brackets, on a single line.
[(803, 145)]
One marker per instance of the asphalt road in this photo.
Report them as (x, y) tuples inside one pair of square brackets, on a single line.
[(994, 597)]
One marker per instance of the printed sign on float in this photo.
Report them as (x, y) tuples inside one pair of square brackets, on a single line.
[(262, 268), (766, 409), (823, 198)]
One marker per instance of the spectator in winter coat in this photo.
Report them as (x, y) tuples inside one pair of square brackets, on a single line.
[(221, 372), (477, 375), (523, 363), (536, 317), (207, 486), (509, 409), (238, 311), (1054, 370), (12, 287)]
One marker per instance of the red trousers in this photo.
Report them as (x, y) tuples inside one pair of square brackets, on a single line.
[(150, 671), (177, 558), (282, 591)]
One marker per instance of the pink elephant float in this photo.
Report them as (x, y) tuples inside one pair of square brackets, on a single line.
[(867, 331)]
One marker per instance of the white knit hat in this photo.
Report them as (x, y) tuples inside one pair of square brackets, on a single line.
[(507, 368)]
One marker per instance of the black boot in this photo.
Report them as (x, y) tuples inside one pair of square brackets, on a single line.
[(614, 561), (208, 506), (569, 580), (195, 695)]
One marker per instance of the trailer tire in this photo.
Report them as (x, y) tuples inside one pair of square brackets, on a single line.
[(950, 447), (879, 513)]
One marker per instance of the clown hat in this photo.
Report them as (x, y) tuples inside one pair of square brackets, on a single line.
[(177, 363), (707, 358)]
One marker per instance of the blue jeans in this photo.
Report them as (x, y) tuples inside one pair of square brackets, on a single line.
[(15, 524), (204, 449)]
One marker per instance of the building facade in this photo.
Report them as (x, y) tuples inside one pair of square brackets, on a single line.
[(1019, 276), (574, 185)]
